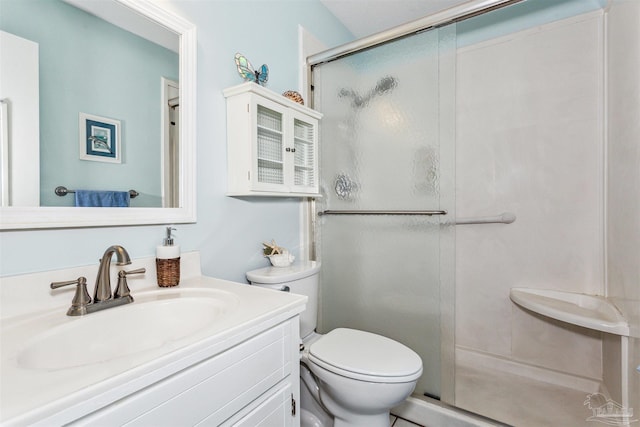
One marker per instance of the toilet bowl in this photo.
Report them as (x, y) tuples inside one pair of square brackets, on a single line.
[(348, 377), (361, 375)]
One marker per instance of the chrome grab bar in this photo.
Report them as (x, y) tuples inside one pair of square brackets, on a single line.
[(382, 212)]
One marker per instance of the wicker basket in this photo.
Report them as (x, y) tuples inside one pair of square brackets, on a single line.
[(168, 272)]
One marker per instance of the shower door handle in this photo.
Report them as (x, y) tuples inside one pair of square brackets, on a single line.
[(382, 212)]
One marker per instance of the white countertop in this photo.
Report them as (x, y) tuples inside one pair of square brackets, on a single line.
[(29, 395)]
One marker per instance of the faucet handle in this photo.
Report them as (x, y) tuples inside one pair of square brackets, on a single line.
[(136, 271), (122, 290), (80, 300)]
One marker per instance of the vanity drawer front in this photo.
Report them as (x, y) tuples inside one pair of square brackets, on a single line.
[(216, 388), (273, 409)]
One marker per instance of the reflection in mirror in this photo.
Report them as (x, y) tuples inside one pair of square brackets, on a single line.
[(102, 102), (97, 81)]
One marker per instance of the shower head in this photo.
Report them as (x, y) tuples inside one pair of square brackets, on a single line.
[(383, 86)]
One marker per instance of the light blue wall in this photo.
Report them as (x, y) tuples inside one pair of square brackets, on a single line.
[(88, 65), (229, 231)]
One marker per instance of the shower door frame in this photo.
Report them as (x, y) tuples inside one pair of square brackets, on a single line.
[(308, 225)]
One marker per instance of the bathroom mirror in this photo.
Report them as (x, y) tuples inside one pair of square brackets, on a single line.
[(149, 21)]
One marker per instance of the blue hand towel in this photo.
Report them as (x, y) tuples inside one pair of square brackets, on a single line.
[(88, 198)]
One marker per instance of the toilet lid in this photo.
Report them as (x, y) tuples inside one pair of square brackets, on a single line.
[(366, 356)]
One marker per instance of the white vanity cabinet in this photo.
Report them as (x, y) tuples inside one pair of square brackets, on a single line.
[(254, 383), (272, 144)]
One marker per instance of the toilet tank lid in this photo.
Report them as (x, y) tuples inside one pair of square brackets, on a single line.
[(295, 271)]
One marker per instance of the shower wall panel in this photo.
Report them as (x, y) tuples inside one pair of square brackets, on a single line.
[(530, 141), (623, 182)]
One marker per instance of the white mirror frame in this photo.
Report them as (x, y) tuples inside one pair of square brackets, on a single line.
[(16, 218)]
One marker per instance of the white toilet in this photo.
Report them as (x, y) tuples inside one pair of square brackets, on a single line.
[(348, 377)]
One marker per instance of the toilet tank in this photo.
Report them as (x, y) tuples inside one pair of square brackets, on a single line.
[(298, 278)]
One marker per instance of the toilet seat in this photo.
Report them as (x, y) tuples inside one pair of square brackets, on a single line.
[(365, 356)]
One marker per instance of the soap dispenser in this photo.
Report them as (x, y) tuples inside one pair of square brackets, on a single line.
[(168, 261)]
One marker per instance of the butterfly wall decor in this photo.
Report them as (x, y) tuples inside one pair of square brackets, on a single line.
[(246, 71)]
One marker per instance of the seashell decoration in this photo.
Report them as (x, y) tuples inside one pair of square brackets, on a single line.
[(279, 256), (294, 96)]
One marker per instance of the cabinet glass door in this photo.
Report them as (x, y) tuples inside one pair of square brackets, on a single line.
[(270, 142), (304, 174)]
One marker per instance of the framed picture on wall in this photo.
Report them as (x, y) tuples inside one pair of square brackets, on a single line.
[(100, 139)]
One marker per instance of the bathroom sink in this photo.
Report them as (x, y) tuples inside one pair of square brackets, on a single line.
[(156, 319), (56, 368)]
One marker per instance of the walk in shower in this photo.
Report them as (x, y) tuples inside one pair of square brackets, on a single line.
[(491, 116)]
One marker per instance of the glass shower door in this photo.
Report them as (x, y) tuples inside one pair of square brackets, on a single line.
[(387, 143)]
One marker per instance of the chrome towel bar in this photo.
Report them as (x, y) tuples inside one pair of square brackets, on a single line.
[(63, 191), (503, 218)]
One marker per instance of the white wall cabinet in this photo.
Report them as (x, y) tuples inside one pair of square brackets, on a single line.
[(272, 144)]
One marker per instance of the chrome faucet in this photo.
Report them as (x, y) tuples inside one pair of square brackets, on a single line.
[(102, 297), (102, 291)]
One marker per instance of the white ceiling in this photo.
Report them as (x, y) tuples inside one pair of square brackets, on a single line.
[(366, 17)]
